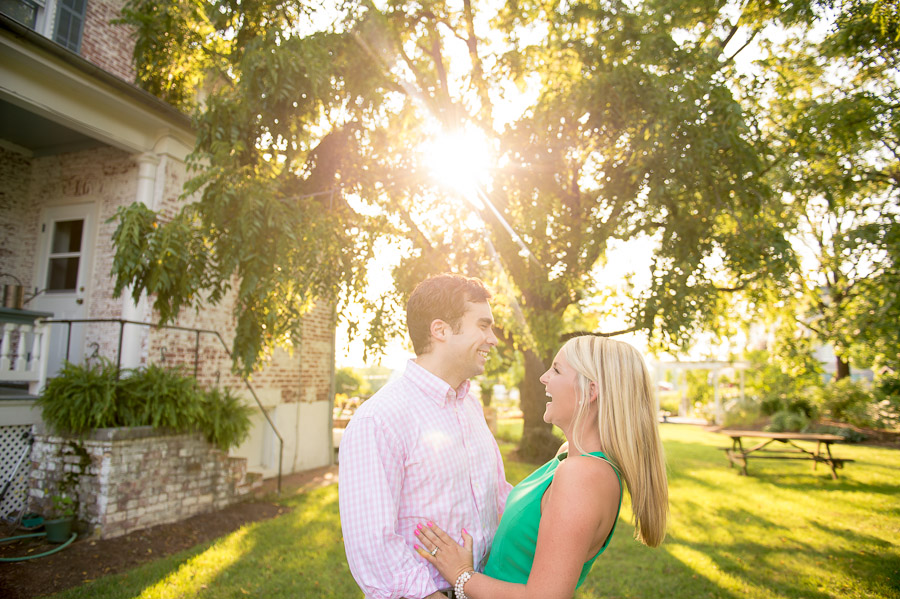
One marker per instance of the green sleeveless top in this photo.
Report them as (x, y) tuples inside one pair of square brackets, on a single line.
[(512, 553)]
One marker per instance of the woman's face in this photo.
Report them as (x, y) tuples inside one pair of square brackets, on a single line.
[(559, 381)]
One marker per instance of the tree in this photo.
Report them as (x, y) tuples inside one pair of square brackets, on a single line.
[(312, 143), (350, 381), (836, 125)]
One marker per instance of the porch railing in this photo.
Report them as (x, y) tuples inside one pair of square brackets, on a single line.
[(196, 362), (24, 342)]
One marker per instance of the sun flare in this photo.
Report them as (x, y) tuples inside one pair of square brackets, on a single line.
[(459, 161)]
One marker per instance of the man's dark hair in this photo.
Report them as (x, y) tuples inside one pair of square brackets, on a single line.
[(441, 297)]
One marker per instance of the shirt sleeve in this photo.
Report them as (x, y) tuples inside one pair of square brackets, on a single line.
[(369, 486)]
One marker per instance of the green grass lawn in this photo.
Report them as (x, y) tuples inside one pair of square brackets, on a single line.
[(787, 532)]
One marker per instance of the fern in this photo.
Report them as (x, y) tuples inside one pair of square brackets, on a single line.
[(83, 398)]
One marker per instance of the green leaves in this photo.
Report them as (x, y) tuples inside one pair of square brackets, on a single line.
[(84, 398), (835, 135), (79, 398), (637, 125)]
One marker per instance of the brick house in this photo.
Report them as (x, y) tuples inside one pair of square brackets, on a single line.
[(78, 140)]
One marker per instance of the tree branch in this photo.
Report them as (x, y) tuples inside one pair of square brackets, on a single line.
[(741, 49), (573, 334), (486, 109)]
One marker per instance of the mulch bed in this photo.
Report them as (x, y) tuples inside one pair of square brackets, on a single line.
[(87, 559)]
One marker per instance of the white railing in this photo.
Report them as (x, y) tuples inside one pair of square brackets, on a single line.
[(24, 343)]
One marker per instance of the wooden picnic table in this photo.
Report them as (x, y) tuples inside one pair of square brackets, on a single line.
[(737, 454)]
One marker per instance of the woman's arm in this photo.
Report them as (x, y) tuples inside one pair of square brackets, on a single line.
[(578, 510)]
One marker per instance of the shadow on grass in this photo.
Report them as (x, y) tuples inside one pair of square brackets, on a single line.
[(786, 571), (299, 554), (630, 570), (805, 481), (785, 530)]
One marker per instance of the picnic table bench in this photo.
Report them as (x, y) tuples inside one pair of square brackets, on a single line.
[(737, 454)]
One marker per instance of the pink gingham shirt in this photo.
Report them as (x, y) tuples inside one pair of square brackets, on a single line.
[(416, 451)]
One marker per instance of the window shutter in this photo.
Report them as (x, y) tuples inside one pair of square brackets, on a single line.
[(69, 23)]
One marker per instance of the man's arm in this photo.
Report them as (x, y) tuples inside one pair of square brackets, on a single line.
[(370, 482)]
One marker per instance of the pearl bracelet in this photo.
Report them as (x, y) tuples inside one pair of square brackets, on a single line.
[(458, 591)]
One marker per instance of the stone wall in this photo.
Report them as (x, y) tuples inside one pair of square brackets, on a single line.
[(127, 479)]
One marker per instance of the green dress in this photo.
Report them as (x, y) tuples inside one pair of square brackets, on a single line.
[(512, 553)]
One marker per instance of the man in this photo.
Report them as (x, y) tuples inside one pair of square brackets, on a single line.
[(419, 450)]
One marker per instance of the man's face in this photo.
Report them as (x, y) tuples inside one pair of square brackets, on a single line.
[(467, 349)]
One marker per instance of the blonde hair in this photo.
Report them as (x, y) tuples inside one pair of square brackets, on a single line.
[(628, 425)]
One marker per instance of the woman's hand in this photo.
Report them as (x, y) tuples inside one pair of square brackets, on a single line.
[(451, 559)]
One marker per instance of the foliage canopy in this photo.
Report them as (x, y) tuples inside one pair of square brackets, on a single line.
[(314, 128)]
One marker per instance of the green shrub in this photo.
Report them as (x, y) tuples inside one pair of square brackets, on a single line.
[(669, 401), (773, 385), (158, 397), (699, 389), (79, 398), (850, 435), (848, 401), (886, 411), (225, 420), (744, 412), (83, 398), (783, 382), (888, 385), (788, 421), (769, 405), (351, 382)]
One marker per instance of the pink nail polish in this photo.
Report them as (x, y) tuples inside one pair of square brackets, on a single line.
[(415, 547), (416, 532), (465, 531), (431, 524)]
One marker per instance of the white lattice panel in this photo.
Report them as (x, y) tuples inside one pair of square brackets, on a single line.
[(12, 445)]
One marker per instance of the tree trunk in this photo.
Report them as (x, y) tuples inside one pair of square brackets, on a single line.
[(487, 392), (843, 369), (538, 443)]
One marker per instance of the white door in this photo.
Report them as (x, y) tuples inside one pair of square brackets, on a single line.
[(62, 276)]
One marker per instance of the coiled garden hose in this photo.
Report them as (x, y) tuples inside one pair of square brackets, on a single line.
[(31, 536)]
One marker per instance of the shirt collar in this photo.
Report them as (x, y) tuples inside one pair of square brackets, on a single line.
[(434, 387)]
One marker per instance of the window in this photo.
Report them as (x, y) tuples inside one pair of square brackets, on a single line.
[(23, 11), (60, 20), (65, 256), (69, 23)]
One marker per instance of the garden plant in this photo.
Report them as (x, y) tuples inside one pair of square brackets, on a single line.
[(100, 395)]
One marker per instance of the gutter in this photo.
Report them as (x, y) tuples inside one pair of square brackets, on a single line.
[(30, 37)]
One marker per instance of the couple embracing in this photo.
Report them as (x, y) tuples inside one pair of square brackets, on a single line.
[(426, 511)]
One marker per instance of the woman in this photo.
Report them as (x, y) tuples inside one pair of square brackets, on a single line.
[(561, 517)]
